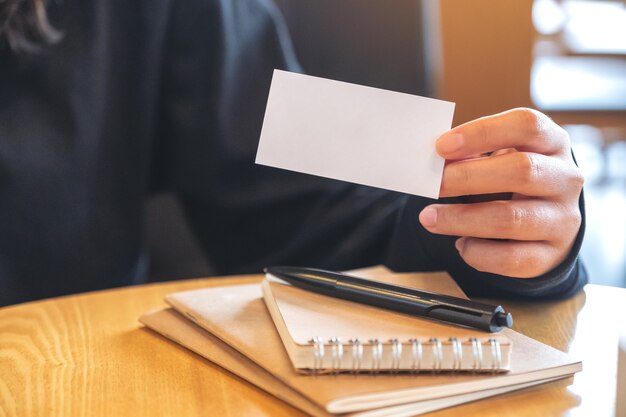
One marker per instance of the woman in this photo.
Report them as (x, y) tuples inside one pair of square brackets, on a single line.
[(104, 102)]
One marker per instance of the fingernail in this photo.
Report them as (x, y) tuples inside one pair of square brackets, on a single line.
[(459, 244), (448, 144), (428, 217)]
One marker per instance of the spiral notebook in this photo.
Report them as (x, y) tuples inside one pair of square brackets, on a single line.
[(238, 317), (175, 327), (325, 334)]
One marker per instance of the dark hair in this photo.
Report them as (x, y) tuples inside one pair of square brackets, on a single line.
[(24, 26)]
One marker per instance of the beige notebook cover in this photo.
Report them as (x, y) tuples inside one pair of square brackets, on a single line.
[(325, 334), (175, 327), (237, 315)]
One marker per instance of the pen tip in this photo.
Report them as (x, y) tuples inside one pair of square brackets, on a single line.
[(504, 319)]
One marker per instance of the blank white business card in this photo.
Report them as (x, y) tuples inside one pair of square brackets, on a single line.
[(354, 133)]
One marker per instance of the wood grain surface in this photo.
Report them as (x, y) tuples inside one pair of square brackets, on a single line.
[(86, 355)]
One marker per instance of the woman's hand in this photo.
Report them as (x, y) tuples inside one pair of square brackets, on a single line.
[(522, 152)]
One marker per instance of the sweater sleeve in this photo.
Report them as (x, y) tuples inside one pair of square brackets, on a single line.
[(221, 56), (247, 216), (412, 245)]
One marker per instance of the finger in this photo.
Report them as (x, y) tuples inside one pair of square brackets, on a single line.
[(523, 129), (509, 258), (525, 173), (527, 220)]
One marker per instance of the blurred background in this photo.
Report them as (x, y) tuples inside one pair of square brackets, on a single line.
[(566, 58)]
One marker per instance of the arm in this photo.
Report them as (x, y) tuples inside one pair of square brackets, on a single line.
[(246, 216)]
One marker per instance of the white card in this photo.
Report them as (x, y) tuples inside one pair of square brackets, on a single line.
[(354, 133)]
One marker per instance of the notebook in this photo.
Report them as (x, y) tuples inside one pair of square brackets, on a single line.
[(238, 317), (173, 326), (325, 334)]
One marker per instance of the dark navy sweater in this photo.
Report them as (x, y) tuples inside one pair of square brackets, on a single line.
[(146, 95)]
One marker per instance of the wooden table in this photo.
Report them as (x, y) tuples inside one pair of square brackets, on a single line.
[(86, 355)]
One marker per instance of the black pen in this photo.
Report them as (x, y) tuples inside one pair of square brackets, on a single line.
[(394, 297)]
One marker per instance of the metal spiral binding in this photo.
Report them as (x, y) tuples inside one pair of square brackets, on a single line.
[(416, 355), (457, 353), (357, 354), (377, 355), (318, 353), (477, 353), (437, 352), (336, 353), (396, 354), (496, 354)]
